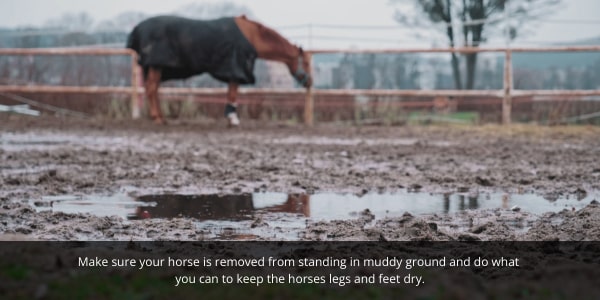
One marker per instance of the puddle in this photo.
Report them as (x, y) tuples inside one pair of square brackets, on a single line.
[(17, 142), (45, 141), (282, 216), (201, 207), (321, 206), (119, 205)]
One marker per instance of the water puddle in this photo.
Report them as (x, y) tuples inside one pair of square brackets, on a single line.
[(17, 142), (321, 206), (45, 141), (119, 205), (201, 207), (284, 216)]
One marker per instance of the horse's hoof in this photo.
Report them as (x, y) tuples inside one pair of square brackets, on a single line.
[(234, 121)]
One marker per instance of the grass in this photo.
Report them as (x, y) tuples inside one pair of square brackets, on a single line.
[(15, 272), (456, 117)]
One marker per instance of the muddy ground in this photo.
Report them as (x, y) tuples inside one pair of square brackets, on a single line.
[(43, 157)]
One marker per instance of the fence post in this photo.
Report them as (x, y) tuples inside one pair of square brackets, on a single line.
[(508, 81), (136, 102), (309, 100)]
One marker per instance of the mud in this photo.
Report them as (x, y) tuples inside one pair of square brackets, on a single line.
[(43, 158)]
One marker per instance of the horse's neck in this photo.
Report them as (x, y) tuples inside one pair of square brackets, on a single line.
[(275, 47), (269, 44)]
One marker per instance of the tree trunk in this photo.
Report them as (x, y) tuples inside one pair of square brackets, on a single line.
[(450, 33), (476, 11), (456, 72), (471, 61)]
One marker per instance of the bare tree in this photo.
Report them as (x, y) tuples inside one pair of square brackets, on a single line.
[(477, 20)]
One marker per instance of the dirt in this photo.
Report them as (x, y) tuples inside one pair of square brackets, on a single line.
[(47, 156)]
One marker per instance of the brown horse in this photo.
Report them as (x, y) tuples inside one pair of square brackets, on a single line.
[(176, 48)]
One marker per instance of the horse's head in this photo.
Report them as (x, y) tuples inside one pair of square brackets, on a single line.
[(301, 69)]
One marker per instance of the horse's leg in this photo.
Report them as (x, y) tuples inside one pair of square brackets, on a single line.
[(152, 85), (231, 107)]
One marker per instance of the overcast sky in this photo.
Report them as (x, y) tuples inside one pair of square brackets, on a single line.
[(281, 13)]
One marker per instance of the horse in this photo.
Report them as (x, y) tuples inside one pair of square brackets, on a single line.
[(171, 47)]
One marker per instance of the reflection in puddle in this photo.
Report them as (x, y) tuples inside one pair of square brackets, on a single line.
[(202, 207), (116, 205), (321, 206), (218, 207)]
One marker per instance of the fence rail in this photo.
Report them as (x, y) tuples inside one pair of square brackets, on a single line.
[(136, 89), (66, 51), (59, 89), (590, 48)]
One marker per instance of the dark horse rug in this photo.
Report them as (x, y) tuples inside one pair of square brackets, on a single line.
[(182, 48)]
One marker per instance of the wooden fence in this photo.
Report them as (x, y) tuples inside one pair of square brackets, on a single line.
[(136, 89)]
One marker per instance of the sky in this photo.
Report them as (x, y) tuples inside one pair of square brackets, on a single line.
[(282, 14)]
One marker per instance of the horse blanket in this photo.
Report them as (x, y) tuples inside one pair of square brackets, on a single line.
[(182, 48)]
